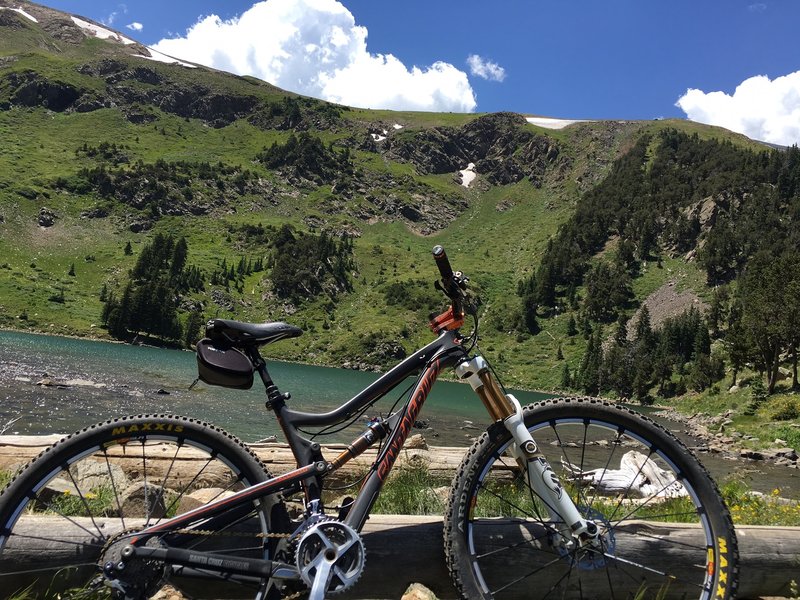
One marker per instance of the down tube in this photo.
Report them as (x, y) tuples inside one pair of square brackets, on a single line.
[(372, 486)]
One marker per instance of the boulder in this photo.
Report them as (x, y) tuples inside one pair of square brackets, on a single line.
[(143, 500), (417, 591), (95, 474), (200, 497), (47, 218), (416, 442)]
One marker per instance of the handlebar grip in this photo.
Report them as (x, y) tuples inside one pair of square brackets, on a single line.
[(443, 263)]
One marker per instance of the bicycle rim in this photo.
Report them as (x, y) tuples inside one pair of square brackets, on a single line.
[(665, 531), (89, 489)]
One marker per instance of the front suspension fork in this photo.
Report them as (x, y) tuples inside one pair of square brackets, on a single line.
[(506, 408)]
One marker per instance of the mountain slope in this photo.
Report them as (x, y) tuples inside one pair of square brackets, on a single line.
[(105, 148)]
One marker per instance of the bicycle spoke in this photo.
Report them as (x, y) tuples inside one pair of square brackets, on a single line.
[(610, 585), (557, 583), (666, 540), (51, 508), (114, 487), (178, 447), (562, 447), (188, 486), (56, 568), (649, 500), (511, 547), (83, 501), (147, 502), (614, 444), (107, 475), (626, 495), (523, 577), (624, 476)]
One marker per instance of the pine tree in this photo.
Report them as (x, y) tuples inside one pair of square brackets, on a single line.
[(589, 373), (572, 328), (644, 332), (566, 378)]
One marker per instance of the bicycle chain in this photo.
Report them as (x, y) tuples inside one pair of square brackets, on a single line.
[(210, 532)]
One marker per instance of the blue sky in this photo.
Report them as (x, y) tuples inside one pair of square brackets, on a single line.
[(624, 59)]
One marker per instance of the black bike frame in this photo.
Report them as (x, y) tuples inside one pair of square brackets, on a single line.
[(427, 363)]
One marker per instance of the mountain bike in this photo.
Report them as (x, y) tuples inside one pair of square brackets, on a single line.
[(566, 498)]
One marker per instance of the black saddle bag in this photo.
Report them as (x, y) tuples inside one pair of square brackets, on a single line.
[(220, 364)]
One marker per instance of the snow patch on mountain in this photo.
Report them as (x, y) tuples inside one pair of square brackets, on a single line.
[(101, 32), (468, 175), (550, 123), (157, 56), (22, 12)]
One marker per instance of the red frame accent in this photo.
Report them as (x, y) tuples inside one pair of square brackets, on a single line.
[(409, 418), (447, 321)]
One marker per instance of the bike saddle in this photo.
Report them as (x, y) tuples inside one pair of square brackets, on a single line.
[(240, 333)]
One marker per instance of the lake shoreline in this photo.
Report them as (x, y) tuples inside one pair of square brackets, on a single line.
[(460, 428), (90, 338)]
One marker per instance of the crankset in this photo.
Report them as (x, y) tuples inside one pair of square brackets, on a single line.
[(330, 558)]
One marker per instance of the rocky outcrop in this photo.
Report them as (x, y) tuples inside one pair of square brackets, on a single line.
[(62, 28), (424, 213), (503, 150), (431, 150), (11, 20), (30, 89), (47, 218), (194, 102)]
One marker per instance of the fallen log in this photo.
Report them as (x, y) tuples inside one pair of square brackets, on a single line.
[(440, 461), (406, 549)]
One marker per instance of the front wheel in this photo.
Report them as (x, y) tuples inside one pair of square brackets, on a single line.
[(74, 506), (665, 532)]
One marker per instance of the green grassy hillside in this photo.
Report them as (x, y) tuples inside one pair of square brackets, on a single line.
[(102, 148)]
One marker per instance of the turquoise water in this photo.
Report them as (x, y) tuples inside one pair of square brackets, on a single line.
[(109, 380), (120, 379)]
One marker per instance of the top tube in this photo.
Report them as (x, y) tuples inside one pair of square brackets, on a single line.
[(443, 346)]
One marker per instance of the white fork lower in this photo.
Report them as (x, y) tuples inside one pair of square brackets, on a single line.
[(543, 480)]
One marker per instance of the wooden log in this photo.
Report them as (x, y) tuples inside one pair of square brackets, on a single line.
[(407, 549), (440, 461)]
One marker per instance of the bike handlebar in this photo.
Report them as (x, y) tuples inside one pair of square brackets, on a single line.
[(454, 285), (443, 263)]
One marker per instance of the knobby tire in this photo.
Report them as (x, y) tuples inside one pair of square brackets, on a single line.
[(672, 538), (82, 491)]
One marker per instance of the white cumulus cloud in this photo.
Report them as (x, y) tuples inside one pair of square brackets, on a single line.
[(314, 47), (485, 68), (761, 108), (135, 26)]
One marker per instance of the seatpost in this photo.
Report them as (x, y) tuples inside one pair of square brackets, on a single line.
[(274, 395)]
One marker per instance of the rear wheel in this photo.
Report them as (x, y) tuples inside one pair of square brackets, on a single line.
[(664, 529), (78, 501)]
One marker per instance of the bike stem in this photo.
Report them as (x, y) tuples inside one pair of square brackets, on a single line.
[(506, 408)]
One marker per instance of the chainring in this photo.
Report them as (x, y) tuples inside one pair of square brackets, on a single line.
[(333, 548)]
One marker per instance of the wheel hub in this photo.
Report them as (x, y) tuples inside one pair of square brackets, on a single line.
[(133, 577), (590, 553)]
